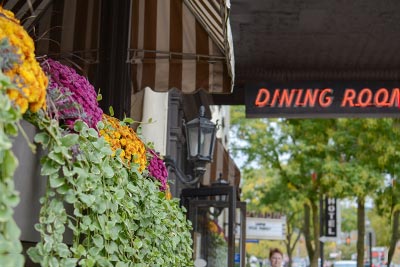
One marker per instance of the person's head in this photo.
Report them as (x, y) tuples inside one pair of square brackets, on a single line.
[(276, 257)]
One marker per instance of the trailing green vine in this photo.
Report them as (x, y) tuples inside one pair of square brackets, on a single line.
[(119, 217), (117, 189), (10, 246)]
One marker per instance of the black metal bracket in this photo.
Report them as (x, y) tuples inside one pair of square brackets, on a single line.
[(199, 171)]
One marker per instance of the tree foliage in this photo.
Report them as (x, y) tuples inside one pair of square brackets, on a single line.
[(307, 158)]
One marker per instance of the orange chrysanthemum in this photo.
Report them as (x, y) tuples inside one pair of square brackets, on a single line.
[(27, 75), (123, 137)]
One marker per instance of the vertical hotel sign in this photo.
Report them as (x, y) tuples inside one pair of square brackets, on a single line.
[(331, 217), (322, 99)]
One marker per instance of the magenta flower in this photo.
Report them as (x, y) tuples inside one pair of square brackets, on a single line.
[(157, 169), (72, 97)]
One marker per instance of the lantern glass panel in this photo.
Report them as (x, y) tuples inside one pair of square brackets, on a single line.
[(206, 139), (193, 139)]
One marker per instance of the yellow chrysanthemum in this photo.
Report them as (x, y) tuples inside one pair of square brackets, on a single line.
[(168, 194), (28, 76), (123, 137), (212, 227)]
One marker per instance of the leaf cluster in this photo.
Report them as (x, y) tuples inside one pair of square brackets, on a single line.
[(118, 218), (10, 246)]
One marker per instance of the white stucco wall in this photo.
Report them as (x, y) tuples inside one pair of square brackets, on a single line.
[(155, 107)]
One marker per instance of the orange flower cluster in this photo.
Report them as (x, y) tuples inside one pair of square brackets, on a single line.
[(168, 194), (29, 78), (213, 227), (120, 136)]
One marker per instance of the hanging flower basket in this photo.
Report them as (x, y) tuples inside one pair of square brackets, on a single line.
[(30, 82)]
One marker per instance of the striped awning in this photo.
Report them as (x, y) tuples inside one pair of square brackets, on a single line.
[(181, 44), (65, 30), (223, 165)]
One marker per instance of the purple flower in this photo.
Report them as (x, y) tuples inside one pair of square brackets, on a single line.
[(72, 96), (157, 169)]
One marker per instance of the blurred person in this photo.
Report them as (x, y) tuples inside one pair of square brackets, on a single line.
[(276, 257)]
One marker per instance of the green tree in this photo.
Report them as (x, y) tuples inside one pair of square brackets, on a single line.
[(283, 147), (349, 219), (263, 193), (350, 158), (387, 200)]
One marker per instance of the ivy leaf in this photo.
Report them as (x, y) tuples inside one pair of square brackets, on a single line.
[(71, 262), (108, 171), (87, 199), (128, 120), (137, 243), (34, 254), (79, 125), (57, 157), (111, 247), (9, 164), (42, 138), (11, 260), (56, 181), (100, 125), (11, 200), (49, 167), (98, 241), (111, 110), (121, 264), (5, 214), (11, 129), (119, 194), (93, 133), (69, 140), (63, 250)]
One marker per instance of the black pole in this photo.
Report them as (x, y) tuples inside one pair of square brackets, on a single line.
[(321, 228), (370, 248)]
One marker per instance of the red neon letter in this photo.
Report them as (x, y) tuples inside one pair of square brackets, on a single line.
[(349, 95), (385, 96), (299, 94), (286, 99), (262, 92), (368, 93), (395, 97), (310, 97), (324, 100), (275, 97)]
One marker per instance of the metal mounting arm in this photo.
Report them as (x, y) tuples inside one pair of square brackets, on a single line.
[(199, 171)]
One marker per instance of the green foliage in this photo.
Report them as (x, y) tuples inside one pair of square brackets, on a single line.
[(217, 250), (382, 227), (119, 218), (352, 158), (348, 219), (10, 246)]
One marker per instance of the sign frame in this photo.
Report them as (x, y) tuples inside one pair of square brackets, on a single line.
[(322, 99)]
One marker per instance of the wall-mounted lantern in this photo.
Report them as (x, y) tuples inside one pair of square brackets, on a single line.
[(200, 139)]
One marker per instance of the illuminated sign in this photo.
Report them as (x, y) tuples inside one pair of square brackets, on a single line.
[(264, 229), (323, 99)]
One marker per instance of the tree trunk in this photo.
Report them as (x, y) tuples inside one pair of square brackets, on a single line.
[(311, 211), (315, 218), (395, 236), (290, 246), (306, 231), (288, 242), (361, 231)]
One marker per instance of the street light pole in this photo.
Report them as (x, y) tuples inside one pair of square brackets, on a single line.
[(321, 228)]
